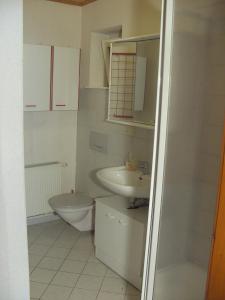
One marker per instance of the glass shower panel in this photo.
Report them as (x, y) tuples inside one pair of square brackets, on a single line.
[(193, 145)]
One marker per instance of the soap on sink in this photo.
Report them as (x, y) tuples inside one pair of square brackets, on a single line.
[(131, 165)]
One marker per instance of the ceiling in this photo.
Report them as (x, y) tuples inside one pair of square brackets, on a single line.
[(74, 2)]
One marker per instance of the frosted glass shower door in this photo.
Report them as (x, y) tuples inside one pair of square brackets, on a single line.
[(187, 155)]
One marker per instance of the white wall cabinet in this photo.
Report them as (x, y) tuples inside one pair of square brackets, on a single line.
[(120, 237), (36, 77), (51, 78), (66, 78)]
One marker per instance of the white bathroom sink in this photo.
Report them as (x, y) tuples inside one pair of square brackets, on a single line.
[(126, 183)]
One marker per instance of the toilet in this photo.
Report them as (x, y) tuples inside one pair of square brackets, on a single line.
[(76, 209)]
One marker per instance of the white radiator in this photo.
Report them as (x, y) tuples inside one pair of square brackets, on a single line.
[(42, 181)]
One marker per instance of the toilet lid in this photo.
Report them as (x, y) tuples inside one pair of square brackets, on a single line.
[(70, 201)]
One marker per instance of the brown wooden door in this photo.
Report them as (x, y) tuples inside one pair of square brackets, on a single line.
[(216, 278)]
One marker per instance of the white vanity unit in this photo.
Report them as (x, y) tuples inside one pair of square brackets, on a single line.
[(120, 237)]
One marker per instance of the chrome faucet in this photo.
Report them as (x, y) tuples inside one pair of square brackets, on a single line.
[(143, 166)]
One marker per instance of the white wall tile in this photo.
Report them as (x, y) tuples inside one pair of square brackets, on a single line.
[(121, 141)]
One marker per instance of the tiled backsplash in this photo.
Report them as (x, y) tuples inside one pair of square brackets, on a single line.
[(121, 140)]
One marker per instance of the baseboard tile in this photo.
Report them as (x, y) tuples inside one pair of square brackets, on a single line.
[(42, 219)]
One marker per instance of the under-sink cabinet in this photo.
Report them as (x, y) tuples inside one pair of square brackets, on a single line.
[(50, 78), (120, 235)]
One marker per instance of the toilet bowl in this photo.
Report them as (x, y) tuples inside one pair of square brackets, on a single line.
[(76, 209)]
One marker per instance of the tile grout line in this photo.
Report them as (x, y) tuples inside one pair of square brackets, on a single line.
[(78, 277), (58, 270), (48, 284), (50, 246), (38, 263), (79, 274), (60, 265)]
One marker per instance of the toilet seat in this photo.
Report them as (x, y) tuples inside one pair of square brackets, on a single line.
[(71, 202)]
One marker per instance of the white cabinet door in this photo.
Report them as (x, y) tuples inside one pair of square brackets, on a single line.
[(36, 77), (120, 243), (66, 78)]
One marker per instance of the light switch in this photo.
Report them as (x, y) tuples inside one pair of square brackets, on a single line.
[(98, 142)]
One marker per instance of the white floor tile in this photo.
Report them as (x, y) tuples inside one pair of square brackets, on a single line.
[(73, 266), (34, 259), (132, 297), (31, 268), (64, 242), (79, 254), (131, 290), (57, 252), (65, 279), (42, 275), (56, 293), (31, 239), (114, 285), (80, 277), (37, 289), (85, 241), (34, 230), (93, 258), (50, 263), (43, 240), (111, 273), (109, 296), (71, 231), (97, 269), (38, 249), (79, 294), (88, 282)]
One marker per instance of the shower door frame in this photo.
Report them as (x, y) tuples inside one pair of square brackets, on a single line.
[(160, 143), (159, 153)]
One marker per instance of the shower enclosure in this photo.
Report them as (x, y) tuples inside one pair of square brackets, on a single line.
[(190, 119)]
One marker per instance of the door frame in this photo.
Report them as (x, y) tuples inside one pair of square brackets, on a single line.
[(14, 271), (216, 268)]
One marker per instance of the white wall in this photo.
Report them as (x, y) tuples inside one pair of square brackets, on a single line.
[(13, 251), (51, 136), (137, 17), (51, 23), (98, 16), (121, 141)]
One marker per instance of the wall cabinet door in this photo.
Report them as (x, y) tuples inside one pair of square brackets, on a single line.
[(36, 77), (65, 78)]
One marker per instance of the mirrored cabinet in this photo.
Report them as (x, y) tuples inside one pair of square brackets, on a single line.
[(133, 79)]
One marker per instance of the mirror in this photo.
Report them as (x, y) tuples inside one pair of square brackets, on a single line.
[(133, 78)]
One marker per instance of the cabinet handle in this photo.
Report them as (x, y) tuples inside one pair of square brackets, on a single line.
[(60, 105), (110, 216), (31, 105), (122, 223)]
